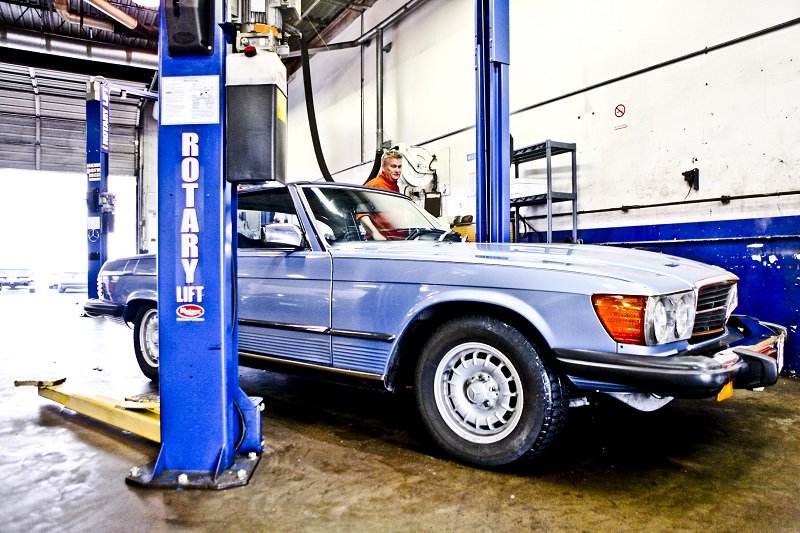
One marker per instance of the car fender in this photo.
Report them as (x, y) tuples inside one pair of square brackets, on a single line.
[(137, 298), (508, 300)]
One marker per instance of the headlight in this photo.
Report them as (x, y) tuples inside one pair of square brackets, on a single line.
[(733, 301), (660, 320), (646, 319), (684, 315)]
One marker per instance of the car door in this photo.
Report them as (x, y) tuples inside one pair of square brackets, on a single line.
[(283, 291), (368, 305)]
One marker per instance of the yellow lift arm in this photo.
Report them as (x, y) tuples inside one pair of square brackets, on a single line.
[(140, 415)]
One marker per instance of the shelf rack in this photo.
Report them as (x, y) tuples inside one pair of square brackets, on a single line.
[(546, 150)]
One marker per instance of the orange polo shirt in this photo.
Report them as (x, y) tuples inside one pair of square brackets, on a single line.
[(382, 182)]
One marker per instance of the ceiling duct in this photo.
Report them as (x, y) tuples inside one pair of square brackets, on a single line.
[(122, 17), (76, 49), (62, 8)]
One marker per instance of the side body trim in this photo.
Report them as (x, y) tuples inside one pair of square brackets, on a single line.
[(384, 337)]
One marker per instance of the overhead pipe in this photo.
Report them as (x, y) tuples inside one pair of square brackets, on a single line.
[(122, 17), (365, 38), (379, 87), (76, 49), (391, 20), (62, 8), (115, 13), (361, 90), (376, 163)]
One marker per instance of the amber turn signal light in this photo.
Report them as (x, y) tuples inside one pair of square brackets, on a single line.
[(622, 316)]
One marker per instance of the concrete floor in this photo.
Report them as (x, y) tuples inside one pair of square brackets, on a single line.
[(340, 458)]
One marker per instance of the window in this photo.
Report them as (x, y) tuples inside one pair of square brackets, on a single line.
[(263, 214)]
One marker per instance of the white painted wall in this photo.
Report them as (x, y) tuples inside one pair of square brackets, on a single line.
[(732, 113), (43, 216)]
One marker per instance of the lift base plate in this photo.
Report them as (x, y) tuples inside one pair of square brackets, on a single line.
[(237, 475)]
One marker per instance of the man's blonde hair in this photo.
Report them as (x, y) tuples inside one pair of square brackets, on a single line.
[(390, 154)]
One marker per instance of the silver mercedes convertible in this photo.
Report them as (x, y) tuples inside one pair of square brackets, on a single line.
[(496, 340)]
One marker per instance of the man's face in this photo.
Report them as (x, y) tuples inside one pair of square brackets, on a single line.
[(392, 168)]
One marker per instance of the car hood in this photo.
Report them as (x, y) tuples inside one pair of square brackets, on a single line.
[(580, 268), (649, 270)]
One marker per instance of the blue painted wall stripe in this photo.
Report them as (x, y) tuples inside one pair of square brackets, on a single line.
[(763, 252)]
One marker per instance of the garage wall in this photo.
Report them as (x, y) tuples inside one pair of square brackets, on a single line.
[(731, 112), (701, 112)]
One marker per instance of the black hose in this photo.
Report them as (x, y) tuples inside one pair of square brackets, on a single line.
[(312, 117), (376, 165)]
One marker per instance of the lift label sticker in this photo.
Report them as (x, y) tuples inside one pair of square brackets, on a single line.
[(105, 121), (93, 171), (189, 100), (190, 312), (189, 294)]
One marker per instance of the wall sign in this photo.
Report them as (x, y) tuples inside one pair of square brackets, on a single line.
[(620, 116)]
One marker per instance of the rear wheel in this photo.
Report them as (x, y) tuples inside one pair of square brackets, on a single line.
[(485, 394), (145, 340)]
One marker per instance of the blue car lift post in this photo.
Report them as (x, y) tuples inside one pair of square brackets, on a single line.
[(99, 217), (210, 429), (492, 149), (100, 205)]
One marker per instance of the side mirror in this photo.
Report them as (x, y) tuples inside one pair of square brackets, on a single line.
[(275, 235)]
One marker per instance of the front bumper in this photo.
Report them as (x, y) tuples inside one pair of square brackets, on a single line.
[(752, 358)]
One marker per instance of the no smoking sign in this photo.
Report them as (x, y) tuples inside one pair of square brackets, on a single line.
[(620, 117)]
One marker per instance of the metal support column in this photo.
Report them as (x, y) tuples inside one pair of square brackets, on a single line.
[(493, 150), (379, 88), (210, 430), (98, 223)]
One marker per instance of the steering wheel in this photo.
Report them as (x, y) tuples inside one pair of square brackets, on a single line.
[(414, 234), (436, 234)]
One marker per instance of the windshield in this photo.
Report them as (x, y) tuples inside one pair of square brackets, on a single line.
[(347, 215)]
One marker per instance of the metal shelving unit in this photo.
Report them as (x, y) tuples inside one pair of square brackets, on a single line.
[(546, 150)]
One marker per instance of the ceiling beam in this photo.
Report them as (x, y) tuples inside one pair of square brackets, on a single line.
[(78, 66)]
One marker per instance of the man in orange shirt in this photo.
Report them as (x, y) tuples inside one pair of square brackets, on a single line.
[(391, 168)]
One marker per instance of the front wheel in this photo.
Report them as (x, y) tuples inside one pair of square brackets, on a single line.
[(485, 394), (145, 340)]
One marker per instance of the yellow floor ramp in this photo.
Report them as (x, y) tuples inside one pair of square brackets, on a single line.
[(138, 414)]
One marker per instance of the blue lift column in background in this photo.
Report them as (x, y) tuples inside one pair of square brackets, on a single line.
[(210, 430), (99, 204), (493, 146)]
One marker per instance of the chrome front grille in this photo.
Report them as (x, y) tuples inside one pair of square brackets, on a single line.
[(712, 301)]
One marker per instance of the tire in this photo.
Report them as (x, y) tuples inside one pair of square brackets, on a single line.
[(145, 340), (486, 395)]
